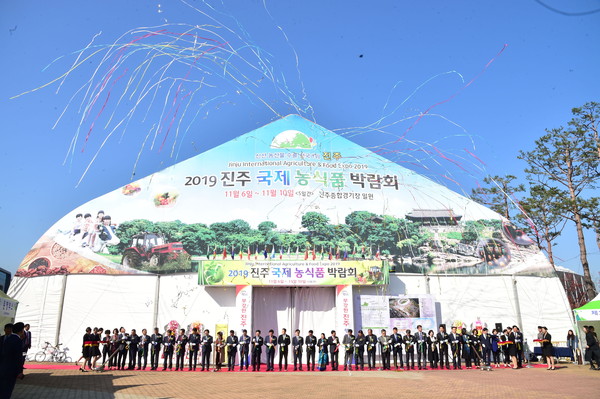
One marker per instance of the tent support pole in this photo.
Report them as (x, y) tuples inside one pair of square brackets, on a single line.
[(517, 305), (60, 309), (156, 298)]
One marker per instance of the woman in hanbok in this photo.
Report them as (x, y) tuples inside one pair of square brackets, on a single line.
[(323, 356)]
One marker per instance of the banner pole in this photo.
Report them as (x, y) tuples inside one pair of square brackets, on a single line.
[(156, 299), (61, 303)]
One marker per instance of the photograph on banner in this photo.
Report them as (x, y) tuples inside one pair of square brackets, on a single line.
[(288, 191), (402, 312), (295, 273)]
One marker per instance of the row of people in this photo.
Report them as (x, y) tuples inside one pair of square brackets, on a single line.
[(475, 348)]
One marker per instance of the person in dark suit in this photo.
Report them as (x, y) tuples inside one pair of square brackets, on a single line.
[(547, 348), (257, 343), (348, 342), (297, 343), (455, 345), (156, 341), (442, 338), (244, 342), (397, 347), (359, 350), (133, 342), (143, 350), (231, 344), (421, 343), (26, 341), (122, 355), (11, 360), (409, 348), (194, 344), (7, 332), (334, 344), (168, 348), (371, 348), (271, 344), (180, 345), (207, 341), (284, 342), (485, 340), (311, 349)]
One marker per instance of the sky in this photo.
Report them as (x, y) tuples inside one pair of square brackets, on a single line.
[(491, 77)]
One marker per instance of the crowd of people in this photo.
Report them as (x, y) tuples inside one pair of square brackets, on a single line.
[(95, 234), (122, 350)]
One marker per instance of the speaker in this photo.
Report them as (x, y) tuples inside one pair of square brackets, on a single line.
[(499, 327)]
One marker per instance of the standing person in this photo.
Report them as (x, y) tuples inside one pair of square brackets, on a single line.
[(284, 342), (504, 344), (443, 338), (547, 348), (495, 347), (271, 344), (323, 344), (432, 348), (311, 349), (485, 341), (371, 348), (180, 345), (348, 342), (11, 360), (540, 338), (359, 350), (455, 345), (572, 344), (244, 349), (512, 348), (194, 346), (168, 348), (143, 349), (466, 347), (519, 346), (592, 352), (207, 342), (219, 351), (409, 348), (475, 347), (421, 342), (384, 348), (96, 338), (105, 345), (232, 344), (114, 348), (257, 343), (122, 356), (297, 343), (87, 348), (156, 341), (134, 341), (397, 347), (26, 341), (334, 349)]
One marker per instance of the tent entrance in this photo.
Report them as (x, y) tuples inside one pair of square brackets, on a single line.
[(303, 308)]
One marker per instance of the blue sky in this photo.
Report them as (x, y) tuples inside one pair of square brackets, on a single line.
[(355, 61)]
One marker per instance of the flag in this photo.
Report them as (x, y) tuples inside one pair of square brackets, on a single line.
[(322, 253), (306, 254), (330, 254), (377, 254), (280, 253), (337, 253), (241, 253), (224, 253), (232, 253), (314, 255), (346, 254), (256, 253), (249, 253), (273, 253), (296, 253), (208, 252), (215, 253), (265, 253)]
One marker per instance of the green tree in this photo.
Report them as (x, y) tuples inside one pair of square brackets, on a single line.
[(127, 230), (197, 239), (497, 194), (568, 160)]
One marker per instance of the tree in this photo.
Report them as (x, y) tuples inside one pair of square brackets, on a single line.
[(587, 118), (497, 195), (567, 159), (539, 218)]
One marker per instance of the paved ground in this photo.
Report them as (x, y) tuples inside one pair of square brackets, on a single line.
[(569, 381)]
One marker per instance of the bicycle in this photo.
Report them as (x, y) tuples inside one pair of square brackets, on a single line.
[(53, 353)]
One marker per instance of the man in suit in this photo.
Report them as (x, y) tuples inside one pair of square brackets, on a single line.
[(156, 341), (359, 350), (486, 346), (257, 343), (207, 341), (134, 341), (371, 341), (334, 343), (442, 338), (397, 347), (455, 343), (194, 344), (311, 348), (231, 342), (284, 342), (271, 344), (143, 350), (384, 342), (11, 360), (348, 342), (244, 342), (421, 343), (26, 341), (297, 343)]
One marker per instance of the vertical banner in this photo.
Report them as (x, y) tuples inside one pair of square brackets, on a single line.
[(344, 312), (243, 309)]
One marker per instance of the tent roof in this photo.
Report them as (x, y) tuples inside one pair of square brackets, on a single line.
[(593, 304)]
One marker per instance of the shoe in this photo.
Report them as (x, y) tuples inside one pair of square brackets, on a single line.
[(139, 368), (164, 368)]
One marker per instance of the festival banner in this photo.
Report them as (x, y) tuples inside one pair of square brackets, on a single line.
[(288, 191), (8, 307), (344, 309), (243, 308), (403, 312), (292, 273)]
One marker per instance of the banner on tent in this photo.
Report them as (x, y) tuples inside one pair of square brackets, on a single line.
[(243, 306), (8, 307), (344, 313), (403, 312), (292, 273)]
